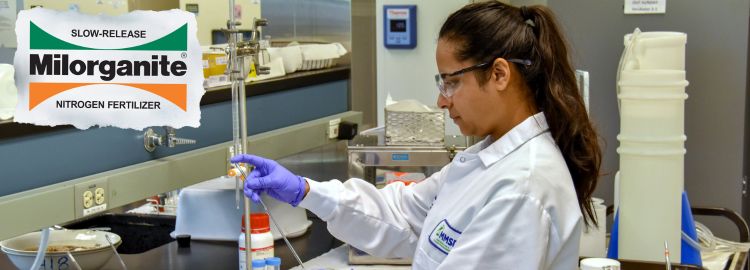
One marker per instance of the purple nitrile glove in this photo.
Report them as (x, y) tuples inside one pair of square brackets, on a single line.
[(268, 176)]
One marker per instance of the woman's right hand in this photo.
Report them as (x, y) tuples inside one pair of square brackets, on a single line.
[(270, 177)]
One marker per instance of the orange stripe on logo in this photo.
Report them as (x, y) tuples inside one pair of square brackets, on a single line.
[(175, 93), (39, 92)]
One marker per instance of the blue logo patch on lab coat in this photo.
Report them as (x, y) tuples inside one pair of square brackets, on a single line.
[(444, 237)]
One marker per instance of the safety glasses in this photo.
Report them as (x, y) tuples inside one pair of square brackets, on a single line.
[(449, 86)]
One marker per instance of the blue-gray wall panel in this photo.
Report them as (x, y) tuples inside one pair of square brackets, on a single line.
[(38, 160)]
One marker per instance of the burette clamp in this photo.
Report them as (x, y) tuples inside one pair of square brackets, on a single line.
[(151, 139)]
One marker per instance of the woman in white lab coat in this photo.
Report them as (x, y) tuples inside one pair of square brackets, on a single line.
[(517, 200)]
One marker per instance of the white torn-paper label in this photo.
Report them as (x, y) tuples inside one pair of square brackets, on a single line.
[(136, 70)]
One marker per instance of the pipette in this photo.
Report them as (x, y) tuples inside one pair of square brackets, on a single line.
[(281, 231), (73, 260), (112, 245)]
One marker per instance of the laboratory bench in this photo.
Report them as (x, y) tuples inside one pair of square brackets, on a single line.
[(316, 241), (218, 254)]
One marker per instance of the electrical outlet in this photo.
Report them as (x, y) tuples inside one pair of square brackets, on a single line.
[(91, 197), (99, 196), (88, 199), (333, 128)]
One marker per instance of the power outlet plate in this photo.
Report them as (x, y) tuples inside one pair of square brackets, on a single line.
[(91, 197), (333, 128)]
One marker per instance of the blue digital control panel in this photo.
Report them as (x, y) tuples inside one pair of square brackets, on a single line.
[(400, 26)]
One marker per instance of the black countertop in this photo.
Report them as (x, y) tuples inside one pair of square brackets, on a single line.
[(219, 254), (10, 129)]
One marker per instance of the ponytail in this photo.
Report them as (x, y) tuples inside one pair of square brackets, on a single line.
[(488, 30), (566, 113)]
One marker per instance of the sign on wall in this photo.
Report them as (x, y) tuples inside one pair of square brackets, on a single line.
[(645, 6), (131, 71)]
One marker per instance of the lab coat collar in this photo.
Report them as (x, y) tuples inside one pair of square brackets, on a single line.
[(492, 152)]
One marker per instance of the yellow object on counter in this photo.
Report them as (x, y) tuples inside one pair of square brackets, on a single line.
[(214, 63)]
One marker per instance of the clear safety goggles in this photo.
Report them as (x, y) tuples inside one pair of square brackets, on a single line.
[(448, 86)]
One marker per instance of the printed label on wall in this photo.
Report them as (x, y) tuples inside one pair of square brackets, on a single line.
[(645, 6), (131, 71)]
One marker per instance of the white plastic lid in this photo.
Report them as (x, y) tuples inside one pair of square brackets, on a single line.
[(652, 77), (597, 263)]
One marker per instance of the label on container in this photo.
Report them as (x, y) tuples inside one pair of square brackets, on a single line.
[(262, 253), (258, 253)]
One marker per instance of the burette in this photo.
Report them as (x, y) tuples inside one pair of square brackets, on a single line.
[(240, 52)]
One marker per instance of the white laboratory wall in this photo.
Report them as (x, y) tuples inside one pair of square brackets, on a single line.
[(409, 73), (112, 7)]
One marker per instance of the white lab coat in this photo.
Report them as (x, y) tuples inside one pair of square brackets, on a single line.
[(508, 204)]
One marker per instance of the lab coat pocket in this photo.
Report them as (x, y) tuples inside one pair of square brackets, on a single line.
[(425, 258)]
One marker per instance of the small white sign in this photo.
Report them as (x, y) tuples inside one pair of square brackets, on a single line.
[(645, 6), (94, 209)]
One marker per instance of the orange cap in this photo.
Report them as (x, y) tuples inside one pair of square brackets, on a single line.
[(258, 223)]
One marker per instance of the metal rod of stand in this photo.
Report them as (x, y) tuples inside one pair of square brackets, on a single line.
[(238, 89), (243, 132)]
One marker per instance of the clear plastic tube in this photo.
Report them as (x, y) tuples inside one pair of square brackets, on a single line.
[(708, 242), (42, 249)]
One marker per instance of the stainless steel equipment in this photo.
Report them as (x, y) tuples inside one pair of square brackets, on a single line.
[(369, 156)]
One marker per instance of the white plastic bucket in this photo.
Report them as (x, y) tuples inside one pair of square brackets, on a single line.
[(652, 145), (657, 50), (651, 183), (642, 117), (652, 83), (652, 103), (652, 77)]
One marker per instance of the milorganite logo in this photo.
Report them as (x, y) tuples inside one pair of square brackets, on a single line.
[(131, 71)]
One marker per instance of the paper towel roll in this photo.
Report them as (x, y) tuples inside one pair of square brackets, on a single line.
[(8, 92)]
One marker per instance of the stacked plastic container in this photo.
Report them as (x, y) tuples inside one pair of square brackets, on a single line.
[(651, 95)]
